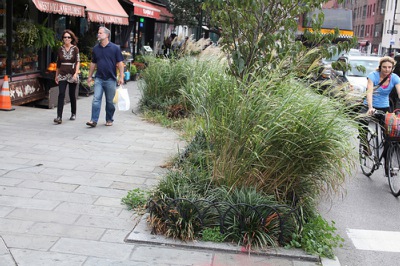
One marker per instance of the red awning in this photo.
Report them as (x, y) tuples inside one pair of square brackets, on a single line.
[(109, 11), (144, 9), (165, 15), (62, 7), (362, 43)]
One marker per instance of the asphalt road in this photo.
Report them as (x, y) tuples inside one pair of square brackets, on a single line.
[(367, 216)]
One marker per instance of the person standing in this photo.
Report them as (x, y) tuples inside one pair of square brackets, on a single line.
[(106, 57), (67, 73)]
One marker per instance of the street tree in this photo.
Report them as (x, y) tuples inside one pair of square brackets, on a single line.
[(186, 12), (255, 33)]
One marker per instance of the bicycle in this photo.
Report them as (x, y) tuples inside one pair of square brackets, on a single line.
[(371, 153)]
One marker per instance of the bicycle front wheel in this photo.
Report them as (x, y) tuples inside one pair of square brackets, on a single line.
[(366, 154), (392, 166)]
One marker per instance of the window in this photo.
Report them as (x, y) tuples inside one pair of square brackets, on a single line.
[(24, 54), (362, 31), (378, 28), (364, 11)]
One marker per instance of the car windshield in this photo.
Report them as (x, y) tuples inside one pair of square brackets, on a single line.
[(369, 65), (354, 52)]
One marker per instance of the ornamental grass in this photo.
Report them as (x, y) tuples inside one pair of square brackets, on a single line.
[(272, 135)]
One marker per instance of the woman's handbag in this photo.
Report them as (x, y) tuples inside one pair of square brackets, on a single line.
[(392, 124)]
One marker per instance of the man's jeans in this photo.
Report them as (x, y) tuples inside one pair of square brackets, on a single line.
[(108, 87)]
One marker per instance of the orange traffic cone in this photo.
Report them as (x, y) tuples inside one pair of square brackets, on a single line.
[(5, 99)]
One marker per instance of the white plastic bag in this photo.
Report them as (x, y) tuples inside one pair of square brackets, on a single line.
[(123, 102)]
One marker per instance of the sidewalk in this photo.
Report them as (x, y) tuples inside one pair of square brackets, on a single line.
[(61, 188)]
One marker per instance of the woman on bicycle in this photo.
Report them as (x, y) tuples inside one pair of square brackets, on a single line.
[(380, 84)]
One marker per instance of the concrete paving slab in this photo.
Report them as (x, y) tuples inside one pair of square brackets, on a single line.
[(27, 257), (5, 255), (92, 248), (171, 256), (27, 241), (65, 230), (22, 202), (43, 216)]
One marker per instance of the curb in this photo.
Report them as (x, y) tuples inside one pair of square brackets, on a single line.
[(329, 262), (142, 234)]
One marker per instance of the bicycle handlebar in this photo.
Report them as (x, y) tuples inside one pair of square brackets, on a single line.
[(379, 113)]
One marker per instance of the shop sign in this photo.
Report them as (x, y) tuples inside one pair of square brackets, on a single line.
[(59, 8), (144, 12), (107, 19)]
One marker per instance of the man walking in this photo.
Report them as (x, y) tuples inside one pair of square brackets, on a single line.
[(106, 57)]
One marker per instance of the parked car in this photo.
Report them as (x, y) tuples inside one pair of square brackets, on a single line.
[(357, 70), (353, 70), (354, 52), (326, 70)]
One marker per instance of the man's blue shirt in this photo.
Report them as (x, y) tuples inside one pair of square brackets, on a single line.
[(106, 59)]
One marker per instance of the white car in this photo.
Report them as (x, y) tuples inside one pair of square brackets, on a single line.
[(359, 68), (326, 62)]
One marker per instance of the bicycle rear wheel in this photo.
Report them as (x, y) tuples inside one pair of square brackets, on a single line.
[(367, 153), (392, 166)]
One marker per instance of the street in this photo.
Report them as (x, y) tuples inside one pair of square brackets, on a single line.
[(367, 216)]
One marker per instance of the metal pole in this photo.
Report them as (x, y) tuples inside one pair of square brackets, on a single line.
[(392, 32), (201, 19)]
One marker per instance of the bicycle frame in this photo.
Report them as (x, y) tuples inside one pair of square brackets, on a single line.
[(379, 144), (371, 157)]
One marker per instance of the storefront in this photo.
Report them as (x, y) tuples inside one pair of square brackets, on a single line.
[(145, 15), (149, 24), (30, 32), (163, 29)]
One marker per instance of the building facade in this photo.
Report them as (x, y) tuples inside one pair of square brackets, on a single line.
[(26, 59)]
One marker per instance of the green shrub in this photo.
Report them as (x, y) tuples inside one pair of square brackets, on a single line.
[(242, 223), (274, 134), (271, 139), (136, 199), (212, 234), (317, 237), (132, 69)]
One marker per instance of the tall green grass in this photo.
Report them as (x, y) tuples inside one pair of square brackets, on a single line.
[(163, 80), (274, 134)]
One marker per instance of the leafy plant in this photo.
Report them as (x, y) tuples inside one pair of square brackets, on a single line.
[(87, 42), (212, 234), (140, 59), (242, 223), (26, 34), (132, 69), (317, 237), (83, 57), (136, 199), (46, 36)]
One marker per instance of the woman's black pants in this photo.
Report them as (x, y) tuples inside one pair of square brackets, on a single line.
[(62, 87)]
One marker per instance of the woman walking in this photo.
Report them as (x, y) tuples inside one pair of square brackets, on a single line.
[(67, 73)]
